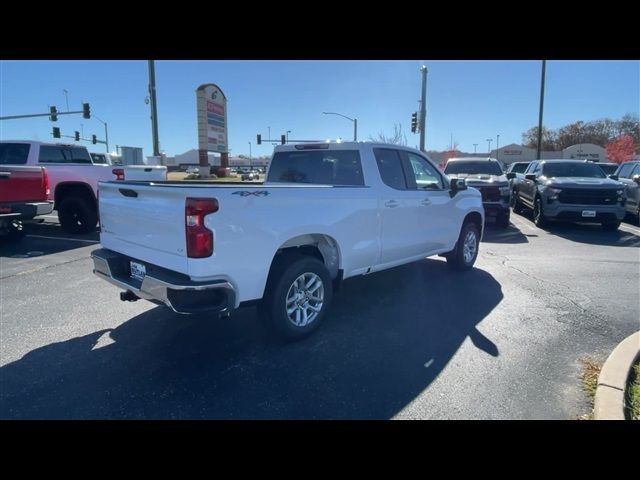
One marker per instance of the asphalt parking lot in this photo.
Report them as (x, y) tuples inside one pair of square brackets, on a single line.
[(419, 341)]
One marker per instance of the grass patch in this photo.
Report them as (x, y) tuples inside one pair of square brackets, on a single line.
[(633, 394), (589, 376)]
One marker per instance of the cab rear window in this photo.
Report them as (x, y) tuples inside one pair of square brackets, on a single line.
[(14, 153), (321, 167)]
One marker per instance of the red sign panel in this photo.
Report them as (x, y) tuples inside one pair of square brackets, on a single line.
[(215, 108)]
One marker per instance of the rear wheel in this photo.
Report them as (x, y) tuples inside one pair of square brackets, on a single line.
[(13, 232), (464, 255), (297, 296), (76, 216)]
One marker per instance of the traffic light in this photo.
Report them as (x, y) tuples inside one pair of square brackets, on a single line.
[(53, 114), (259, 139), (414, 122), (283, 139), (94, 139), (56, 132), (86, 110), (77, 136)]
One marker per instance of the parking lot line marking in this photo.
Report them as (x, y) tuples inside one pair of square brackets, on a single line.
[(64, 238), (633, 230)]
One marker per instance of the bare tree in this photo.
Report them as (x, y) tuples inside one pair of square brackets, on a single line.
[(398, 137)]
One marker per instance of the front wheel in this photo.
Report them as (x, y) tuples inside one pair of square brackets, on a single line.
[(538, 214), (464, 255), (298, 296), (611, 226), (515, 203)]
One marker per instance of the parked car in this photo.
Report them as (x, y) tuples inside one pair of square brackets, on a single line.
[(192, 170), (24, 194), (353, 209), (73, 177), (486, 175), (250, 175), (629, 174), (608, 168), (570, 190)]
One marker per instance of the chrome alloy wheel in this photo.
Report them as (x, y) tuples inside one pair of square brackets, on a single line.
[(469, 246), (304, 299)]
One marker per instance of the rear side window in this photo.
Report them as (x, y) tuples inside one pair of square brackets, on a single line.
[(14, 153), (99, 158), (519, 167), (62, 154), (325, 167), (390, 167)]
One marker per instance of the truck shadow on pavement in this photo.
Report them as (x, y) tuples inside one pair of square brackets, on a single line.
[(594, 235), (511, 234), (387, 337), (46, 239)]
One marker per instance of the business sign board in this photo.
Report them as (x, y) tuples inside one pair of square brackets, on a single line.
[(212, 119)]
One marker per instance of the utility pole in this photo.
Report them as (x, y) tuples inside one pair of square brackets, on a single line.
[(539, 150), (154, 109), (423, 107)]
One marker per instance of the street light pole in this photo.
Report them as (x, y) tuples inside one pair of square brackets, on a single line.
[(497, 146), (66, 96), (250, 161), (288, 132), (475, 146), (354, 120), (269, 133), (106, 133), (489, 140)]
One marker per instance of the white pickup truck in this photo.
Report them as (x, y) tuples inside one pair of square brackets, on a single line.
[(326, 212)]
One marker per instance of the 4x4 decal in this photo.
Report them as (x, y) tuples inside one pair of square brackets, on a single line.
[(246, 193)]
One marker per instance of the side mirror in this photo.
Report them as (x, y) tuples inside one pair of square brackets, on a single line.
[(511, 176), (636, 178), (530, 176), (613, 177), (456, 185)]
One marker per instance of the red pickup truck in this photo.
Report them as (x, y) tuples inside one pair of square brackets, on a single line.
[(24, 193)]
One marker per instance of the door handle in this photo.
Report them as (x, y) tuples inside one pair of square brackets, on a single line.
[(391, 204), (426, 202)]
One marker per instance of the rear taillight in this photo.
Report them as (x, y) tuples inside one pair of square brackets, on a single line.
[(45, 182), (119, 173), (199, 238)]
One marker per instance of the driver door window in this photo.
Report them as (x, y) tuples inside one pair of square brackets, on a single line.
[(421, 175)]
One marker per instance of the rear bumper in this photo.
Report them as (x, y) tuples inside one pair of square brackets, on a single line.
[(30, 209), (164, 287)]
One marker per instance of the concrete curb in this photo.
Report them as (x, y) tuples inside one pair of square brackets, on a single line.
[(609, 401)]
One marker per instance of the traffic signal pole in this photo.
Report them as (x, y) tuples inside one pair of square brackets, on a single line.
[(423, 107)]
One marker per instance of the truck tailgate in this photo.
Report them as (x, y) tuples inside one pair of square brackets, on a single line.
[(144, 221), (22, 184)]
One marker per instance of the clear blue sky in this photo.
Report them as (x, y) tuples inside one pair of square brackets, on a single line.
[(474, 100)]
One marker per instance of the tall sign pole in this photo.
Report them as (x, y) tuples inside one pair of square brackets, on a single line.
[(423, 107), (212, 126), (154, 109), (539, 150)]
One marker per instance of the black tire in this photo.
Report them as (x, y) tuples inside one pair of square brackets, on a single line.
[(610, 226), (77, 216), (515, 203), (456, 258), (538, 214), (502, 220), (281, 279)]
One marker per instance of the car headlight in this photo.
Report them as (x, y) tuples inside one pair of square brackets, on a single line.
[(505, 190), (553, 193)]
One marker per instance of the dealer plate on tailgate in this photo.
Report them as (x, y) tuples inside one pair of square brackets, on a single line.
[(138, 270), (588, 213)]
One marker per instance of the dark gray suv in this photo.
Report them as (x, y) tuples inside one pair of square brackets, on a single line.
[(570, 190), (629, 174)]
